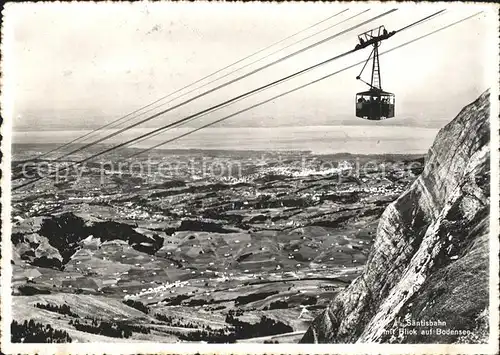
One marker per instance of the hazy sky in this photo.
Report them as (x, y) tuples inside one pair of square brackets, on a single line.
[(80, 65)]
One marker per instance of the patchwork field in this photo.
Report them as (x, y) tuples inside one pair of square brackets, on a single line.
[(252, 257)]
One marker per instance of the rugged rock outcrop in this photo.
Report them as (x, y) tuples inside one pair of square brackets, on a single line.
[(37, 250), (430, 258)]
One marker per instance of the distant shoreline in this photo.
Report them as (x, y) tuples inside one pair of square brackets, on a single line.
[(243, 151), (317, 140)]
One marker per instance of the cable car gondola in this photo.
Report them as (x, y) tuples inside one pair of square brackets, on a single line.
[(374, 104)]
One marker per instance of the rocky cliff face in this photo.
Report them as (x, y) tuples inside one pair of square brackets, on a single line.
[(430, 258)]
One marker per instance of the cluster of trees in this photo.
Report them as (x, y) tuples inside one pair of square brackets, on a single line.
[(178, 323), (109, 329), (215, 308), (17, 238), (137, 305), (33, 332), (64, 309), (197, 302), (309, 301), (48, 263), (102, 328), (224, 335), (27, 290), (237, 312), (279, 304), (65, 231), (253, 297), (175, 301), (266, 326), (238, 330)]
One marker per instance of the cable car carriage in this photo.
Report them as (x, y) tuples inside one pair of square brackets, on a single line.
[(374, 104)]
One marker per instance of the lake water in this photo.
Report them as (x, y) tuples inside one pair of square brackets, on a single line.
[(318, 139)]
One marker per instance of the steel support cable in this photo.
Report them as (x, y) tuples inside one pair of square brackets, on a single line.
[(364, 66), (136, 111), (221, 86), (427, 18), (420, 21), (245, 66), (114, 123), (206, 111), (120, 119), (223, 104), (298, 88), (210, 109), (232, 72), (157, 131), (220, 120)]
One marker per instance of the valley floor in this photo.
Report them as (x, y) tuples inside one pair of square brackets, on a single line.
[(214, 259)]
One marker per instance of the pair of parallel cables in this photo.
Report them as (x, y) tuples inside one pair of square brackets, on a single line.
[(239, 97)]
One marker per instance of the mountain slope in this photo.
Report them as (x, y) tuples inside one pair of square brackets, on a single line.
[(430, 257)]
